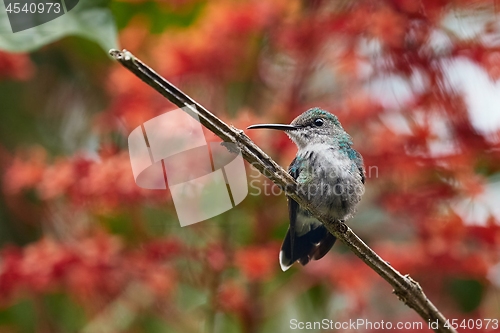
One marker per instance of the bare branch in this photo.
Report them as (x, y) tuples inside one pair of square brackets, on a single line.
[(407, 290)]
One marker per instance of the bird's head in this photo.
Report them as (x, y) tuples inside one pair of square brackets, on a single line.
[(313, 126)]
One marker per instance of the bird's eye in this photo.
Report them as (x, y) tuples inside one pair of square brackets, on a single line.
[(318, 122)]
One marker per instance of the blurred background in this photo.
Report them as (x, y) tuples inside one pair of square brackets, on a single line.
[(84, 249)]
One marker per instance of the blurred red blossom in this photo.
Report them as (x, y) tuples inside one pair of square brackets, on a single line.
[(387, 26), (25, 171), (97, 266), (227, 23), (102, 183), (15, 66), (257, 263), (216, 257), (232, 297)]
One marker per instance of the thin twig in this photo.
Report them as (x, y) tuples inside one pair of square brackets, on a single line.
[(407, 289)]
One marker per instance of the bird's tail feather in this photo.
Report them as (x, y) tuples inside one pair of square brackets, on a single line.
[(310, 246)]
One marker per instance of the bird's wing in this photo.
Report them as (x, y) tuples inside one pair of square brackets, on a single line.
[(293, 206), (360, 165), (306, 238)]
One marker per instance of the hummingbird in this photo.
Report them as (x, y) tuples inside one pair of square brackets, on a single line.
[(329, 173)]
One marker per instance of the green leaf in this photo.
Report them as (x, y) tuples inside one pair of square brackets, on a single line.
[(467, 293), (90, 19), (160, 17), (21, 315), (153, 324), (67, 314)]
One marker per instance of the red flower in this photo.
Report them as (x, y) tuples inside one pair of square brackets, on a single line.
[(232, 297), (258, 263), (15, 66)]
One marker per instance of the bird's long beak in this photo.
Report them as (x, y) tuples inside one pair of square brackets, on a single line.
[(280, 127)]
